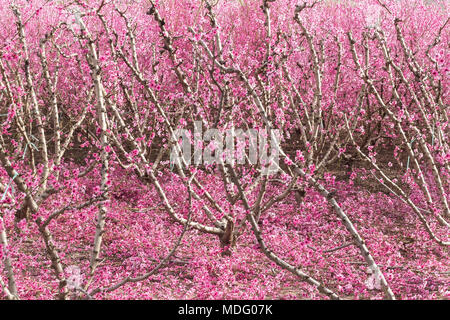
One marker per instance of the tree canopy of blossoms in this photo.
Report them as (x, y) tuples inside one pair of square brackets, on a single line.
[(93, 93)]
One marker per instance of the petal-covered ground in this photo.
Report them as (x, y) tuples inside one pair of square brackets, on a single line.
[(307, 234)]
